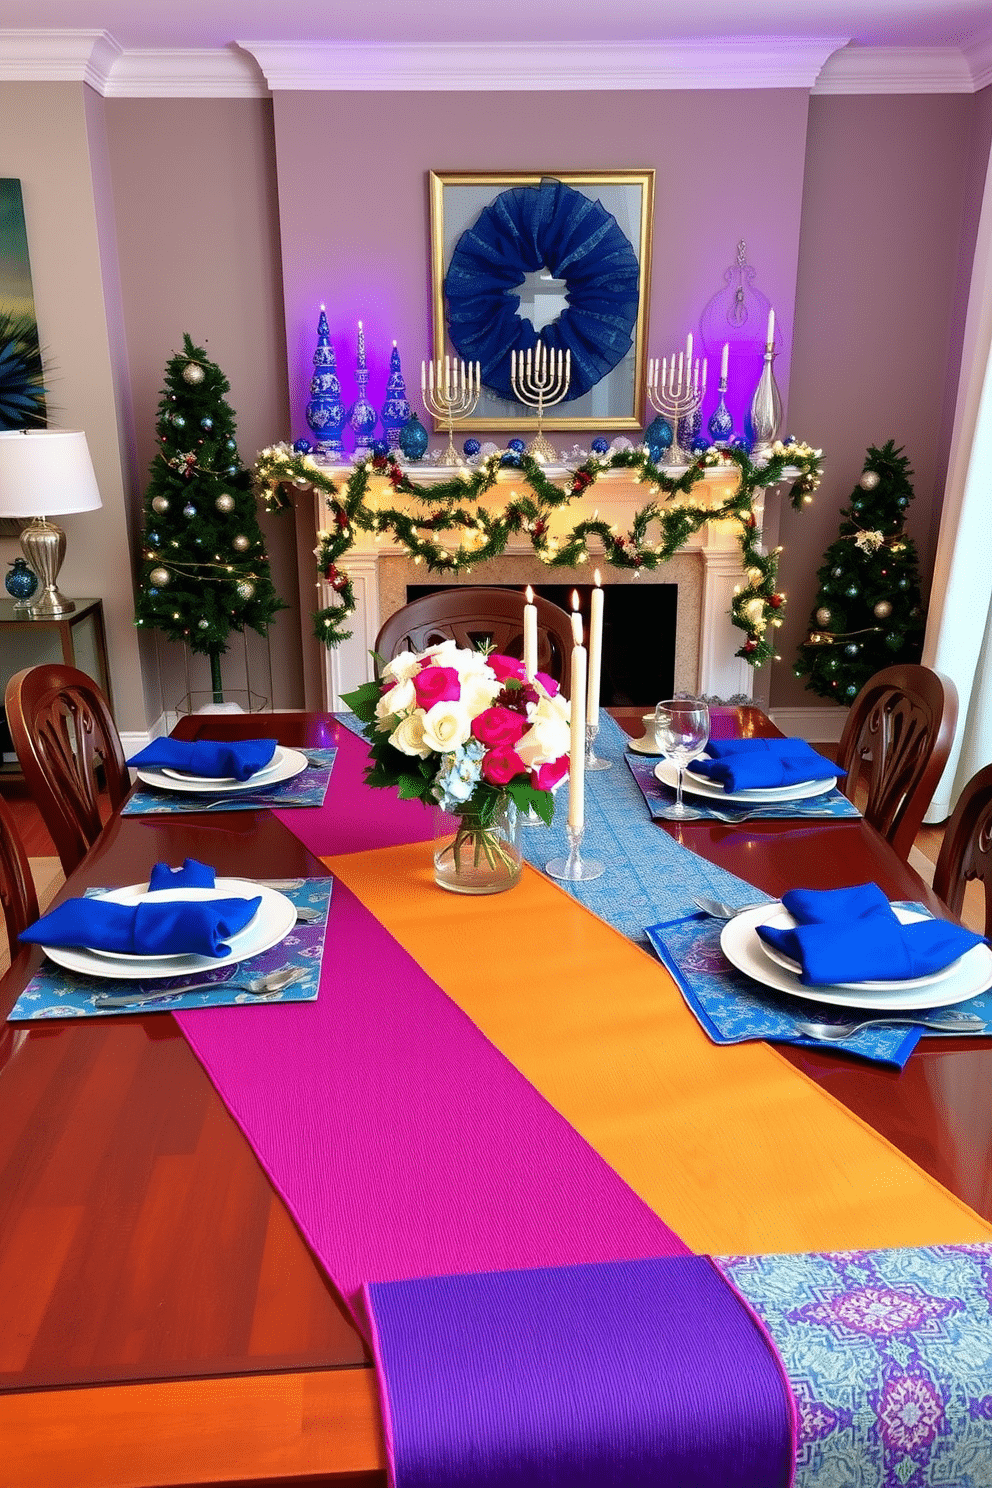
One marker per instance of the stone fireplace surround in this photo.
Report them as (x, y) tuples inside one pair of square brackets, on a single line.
[(705, 571)]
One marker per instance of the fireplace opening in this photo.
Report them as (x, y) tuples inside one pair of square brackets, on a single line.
[(639, 625)]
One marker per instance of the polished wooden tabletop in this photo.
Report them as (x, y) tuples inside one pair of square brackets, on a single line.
[(141, 1245)]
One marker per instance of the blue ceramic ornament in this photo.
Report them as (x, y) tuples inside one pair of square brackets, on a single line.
[(601, 446), (396, 409), (658, 438), (302, 446), (413, 439), (326, 412)]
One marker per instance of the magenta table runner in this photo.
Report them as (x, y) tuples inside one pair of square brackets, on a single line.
[(637, 1373)]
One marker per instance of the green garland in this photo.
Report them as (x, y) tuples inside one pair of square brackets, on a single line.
[(477, 535)]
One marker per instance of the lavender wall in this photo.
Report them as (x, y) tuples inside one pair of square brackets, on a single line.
[(195, 194), (885, 237)]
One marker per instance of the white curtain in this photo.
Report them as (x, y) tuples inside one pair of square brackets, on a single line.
[(959, 627)]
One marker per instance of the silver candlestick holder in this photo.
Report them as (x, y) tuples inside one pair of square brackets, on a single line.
[(766, 409), (450, 390), (540, 378), (574, 868), (675, 390)]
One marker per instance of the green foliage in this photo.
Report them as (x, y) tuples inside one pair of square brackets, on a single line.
[(204, 570), (868, 613)]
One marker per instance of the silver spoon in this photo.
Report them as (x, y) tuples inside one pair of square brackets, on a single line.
[(275, 981), (831, 1033), (721, 911)]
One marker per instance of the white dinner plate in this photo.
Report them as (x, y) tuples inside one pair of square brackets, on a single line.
[(260, 777), (740, 944), (697, 786), (272, 922), (643, 746), (286, 764), (784, 921)]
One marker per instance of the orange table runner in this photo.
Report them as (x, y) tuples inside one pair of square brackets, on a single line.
[(734, 1148)]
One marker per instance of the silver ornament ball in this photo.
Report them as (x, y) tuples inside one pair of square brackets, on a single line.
[(189, 510), (160, 504), (246, 589), (823, 616), (240, 542), (224, 503), (193, 373), (159, 577), (869, 480), (203, 625), (883, 610)]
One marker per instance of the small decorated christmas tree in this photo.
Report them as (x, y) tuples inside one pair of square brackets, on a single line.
[(868, 613), (204, 570)]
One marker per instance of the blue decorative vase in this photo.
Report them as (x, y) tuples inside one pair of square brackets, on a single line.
[(658, 438), (413, 439), (363, 418), (325, 411), (21, 582), (396, 409), (721, 425), (689, 428)]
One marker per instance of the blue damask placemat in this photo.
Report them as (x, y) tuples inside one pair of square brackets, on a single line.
[(54, 992), (832, 804), (306, 789), (889, 1355)]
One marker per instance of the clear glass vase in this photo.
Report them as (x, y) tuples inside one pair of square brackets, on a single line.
[(481, 859)]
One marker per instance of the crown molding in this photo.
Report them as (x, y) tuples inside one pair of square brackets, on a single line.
[(58, 57), (979, 55), (896, 70), (721, 62), (220, 72)]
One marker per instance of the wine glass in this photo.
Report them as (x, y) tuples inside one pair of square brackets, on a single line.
[(682, 728)]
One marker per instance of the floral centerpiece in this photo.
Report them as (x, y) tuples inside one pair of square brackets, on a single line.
[(468, 732)]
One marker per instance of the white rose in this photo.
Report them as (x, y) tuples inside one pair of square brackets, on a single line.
[(397, 700), (478, 692), (408, 736), (470, 664), (446, 725), (402, 667), (554, 708), (443, 654), (547, 739)]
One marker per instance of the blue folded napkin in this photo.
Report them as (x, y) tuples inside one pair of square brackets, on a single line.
[(212, 759), (762, 764), (192, 875), (173, 927), (853, 935)]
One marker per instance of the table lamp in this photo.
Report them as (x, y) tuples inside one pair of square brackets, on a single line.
[(45, 472)]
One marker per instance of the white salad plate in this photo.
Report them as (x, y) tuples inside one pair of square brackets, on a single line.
[(271, 923), (643, 746), (805, 790), (284, 765), (739, 941)]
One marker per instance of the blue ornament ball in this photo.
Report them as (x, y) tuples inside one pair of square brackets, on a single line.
[(600, 445), (511, 459), (517, 446), (232, 469), (22, 580), (379, 447), (206, 423), (154, 537), (189, 510), (230, 444), (413, 438), (472, 448), (739, 442), (700, 446), (179, 420), (302, 446), (153, 591)]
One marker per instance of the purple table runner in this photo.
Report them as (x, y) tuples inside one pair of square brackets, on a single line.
[(640, 1373)]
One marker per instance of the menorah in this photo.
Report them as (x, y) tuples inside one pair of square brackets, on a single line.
[(540, 378), (675, 390), (449, 394)]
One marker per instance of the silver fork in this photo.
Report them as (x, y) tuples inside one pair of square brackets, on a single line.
[(263, 986), (961, 1024)]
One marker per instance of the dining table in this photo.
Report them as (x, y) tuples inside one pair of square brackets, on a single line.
[(165, 1321)]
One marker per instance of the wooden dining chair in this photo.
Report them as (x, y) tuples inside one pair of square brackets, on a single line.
[(474, 615), (966, 851), (70, 752), (18, 900), (894, 748)]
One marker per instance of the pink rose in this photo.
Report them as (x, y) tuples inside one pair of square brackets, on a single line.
[(545, 777), (548, 683), (437, 684), (501, 765), (507, 667), (499, 726)]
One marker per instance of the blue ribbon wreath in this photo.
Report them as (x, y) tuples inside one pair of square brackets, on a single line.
[(524, 229)]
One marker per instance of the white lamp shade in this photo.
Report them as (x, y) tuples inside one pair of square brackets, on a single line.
[(45, 472)]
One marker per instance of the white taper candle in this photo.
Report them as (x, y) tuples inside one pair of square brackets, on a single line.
[(577, 740), (530, 636), (595, 651), (724, 361)]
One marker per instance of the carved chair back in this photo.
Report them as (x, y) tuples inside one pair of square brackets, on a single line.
[(966, 851)]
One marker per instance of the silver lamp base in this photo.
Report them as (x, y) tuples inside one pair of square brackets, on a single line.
[(44, 548)]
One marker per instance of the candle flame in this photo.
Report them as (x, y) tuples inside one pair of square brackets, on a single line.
[(530, 595), (575, 599)]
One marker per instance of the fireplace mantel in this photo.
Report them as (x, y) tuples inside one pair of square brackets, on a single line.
[(705, 569)]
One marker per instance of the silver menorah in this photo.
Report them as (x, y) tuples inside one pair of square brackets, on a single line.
[(540, 378), (676, 390), (450, 390)]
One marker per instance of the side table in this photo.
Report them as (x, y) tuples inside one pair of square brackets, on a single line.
[(78, 639)]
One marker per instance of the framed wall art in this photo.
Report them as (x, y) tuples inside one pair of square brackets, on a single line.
[(521, 260), (22, 390)]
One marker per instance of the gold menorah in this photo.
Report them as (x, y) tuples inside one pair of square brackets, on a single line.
[(675, 391), (540, 378), (449, 392)]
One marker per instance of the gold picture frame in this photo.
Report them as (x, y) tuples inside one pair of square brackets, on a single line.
[(616, 400)]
